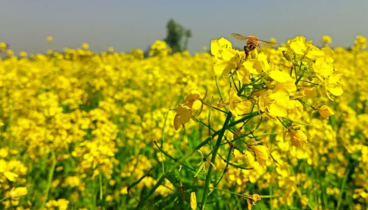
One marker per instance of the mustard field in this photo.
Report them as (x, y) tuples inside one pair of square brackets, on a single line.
[(284, 128)]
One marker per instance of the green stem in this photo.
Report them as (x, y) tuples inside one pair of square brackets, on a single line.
[(234, 165), (177, 163), (101, 190), (171, 157), (49, 179), (213, 159), (342, 189), (236, 87), (297, 81), (1, 200), (139, 180), (242, 89), (162, 140), (227, 165), (142, 202), (218, 88)]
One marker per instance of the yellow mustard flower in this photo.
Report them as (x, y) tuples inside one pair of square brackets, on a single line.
[(298, 137), (183, 115), (325, 111), (326, 39), (49, 38), (193, 201), (18, 192), (239, 106), (262, 154)]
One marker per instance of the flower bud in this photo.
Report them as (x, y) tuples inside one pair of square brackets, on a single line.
[(193, 201)]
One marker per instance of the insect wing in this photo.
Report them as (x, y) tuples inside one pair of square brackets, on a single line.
[(262, 43), (239, 37)]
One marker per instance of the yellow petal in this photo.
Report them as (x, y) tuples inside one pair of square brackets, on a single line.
[(243, 107), (197, 105), (10, 175), (215, 47), (262, 154), (223, 68), (194, 95), (298, 45), (325, 111), (193, 201), (18, 192), (278, 110), (243, 75), (253, 66), (298, 137), (280, 76), (225, 43), (322, 68), (336, 89), (177, 122), (314, 53), (309, 92), (263, 60), (334, 78), (280, 95), (229, 54), (290, 87), (185, 116)]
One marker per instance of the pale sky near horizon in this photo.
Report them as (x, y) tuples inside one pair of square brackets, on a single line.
[(125, 24)]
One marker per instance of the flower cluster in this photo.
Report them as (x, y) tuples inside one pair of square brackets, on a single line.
[(281, 128)]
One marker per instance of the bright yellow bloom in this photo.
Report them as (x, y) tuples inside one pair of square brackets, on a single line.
[(4, 168), (280, 76), (252, 200), (300, 47), (243, 75), (217, 46), (23, 54), (227, 62), (193, 201), (85, 46), (18, 192), (265, 102), (325, 111), (227, 58), (253, 66), (322, 68), (309, 92), (277, 102), (298, 137), (262, 63), (326, 39), (239, 106), (333, 85), (9, 53), (295, 109), (262, 154), (50, 38), (361, 42), (194, 100), (183, 115), (3, 45)]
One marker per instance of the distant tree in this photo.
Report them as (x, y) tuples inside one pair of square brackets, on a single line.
[(175, 36), (188, 34)]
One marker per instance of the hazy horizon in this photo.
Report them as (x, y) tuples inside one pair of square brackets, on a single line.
[(137, 24)]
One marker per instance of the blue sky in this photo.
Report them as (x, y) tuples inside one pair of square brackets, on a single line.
[(125, 24)]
